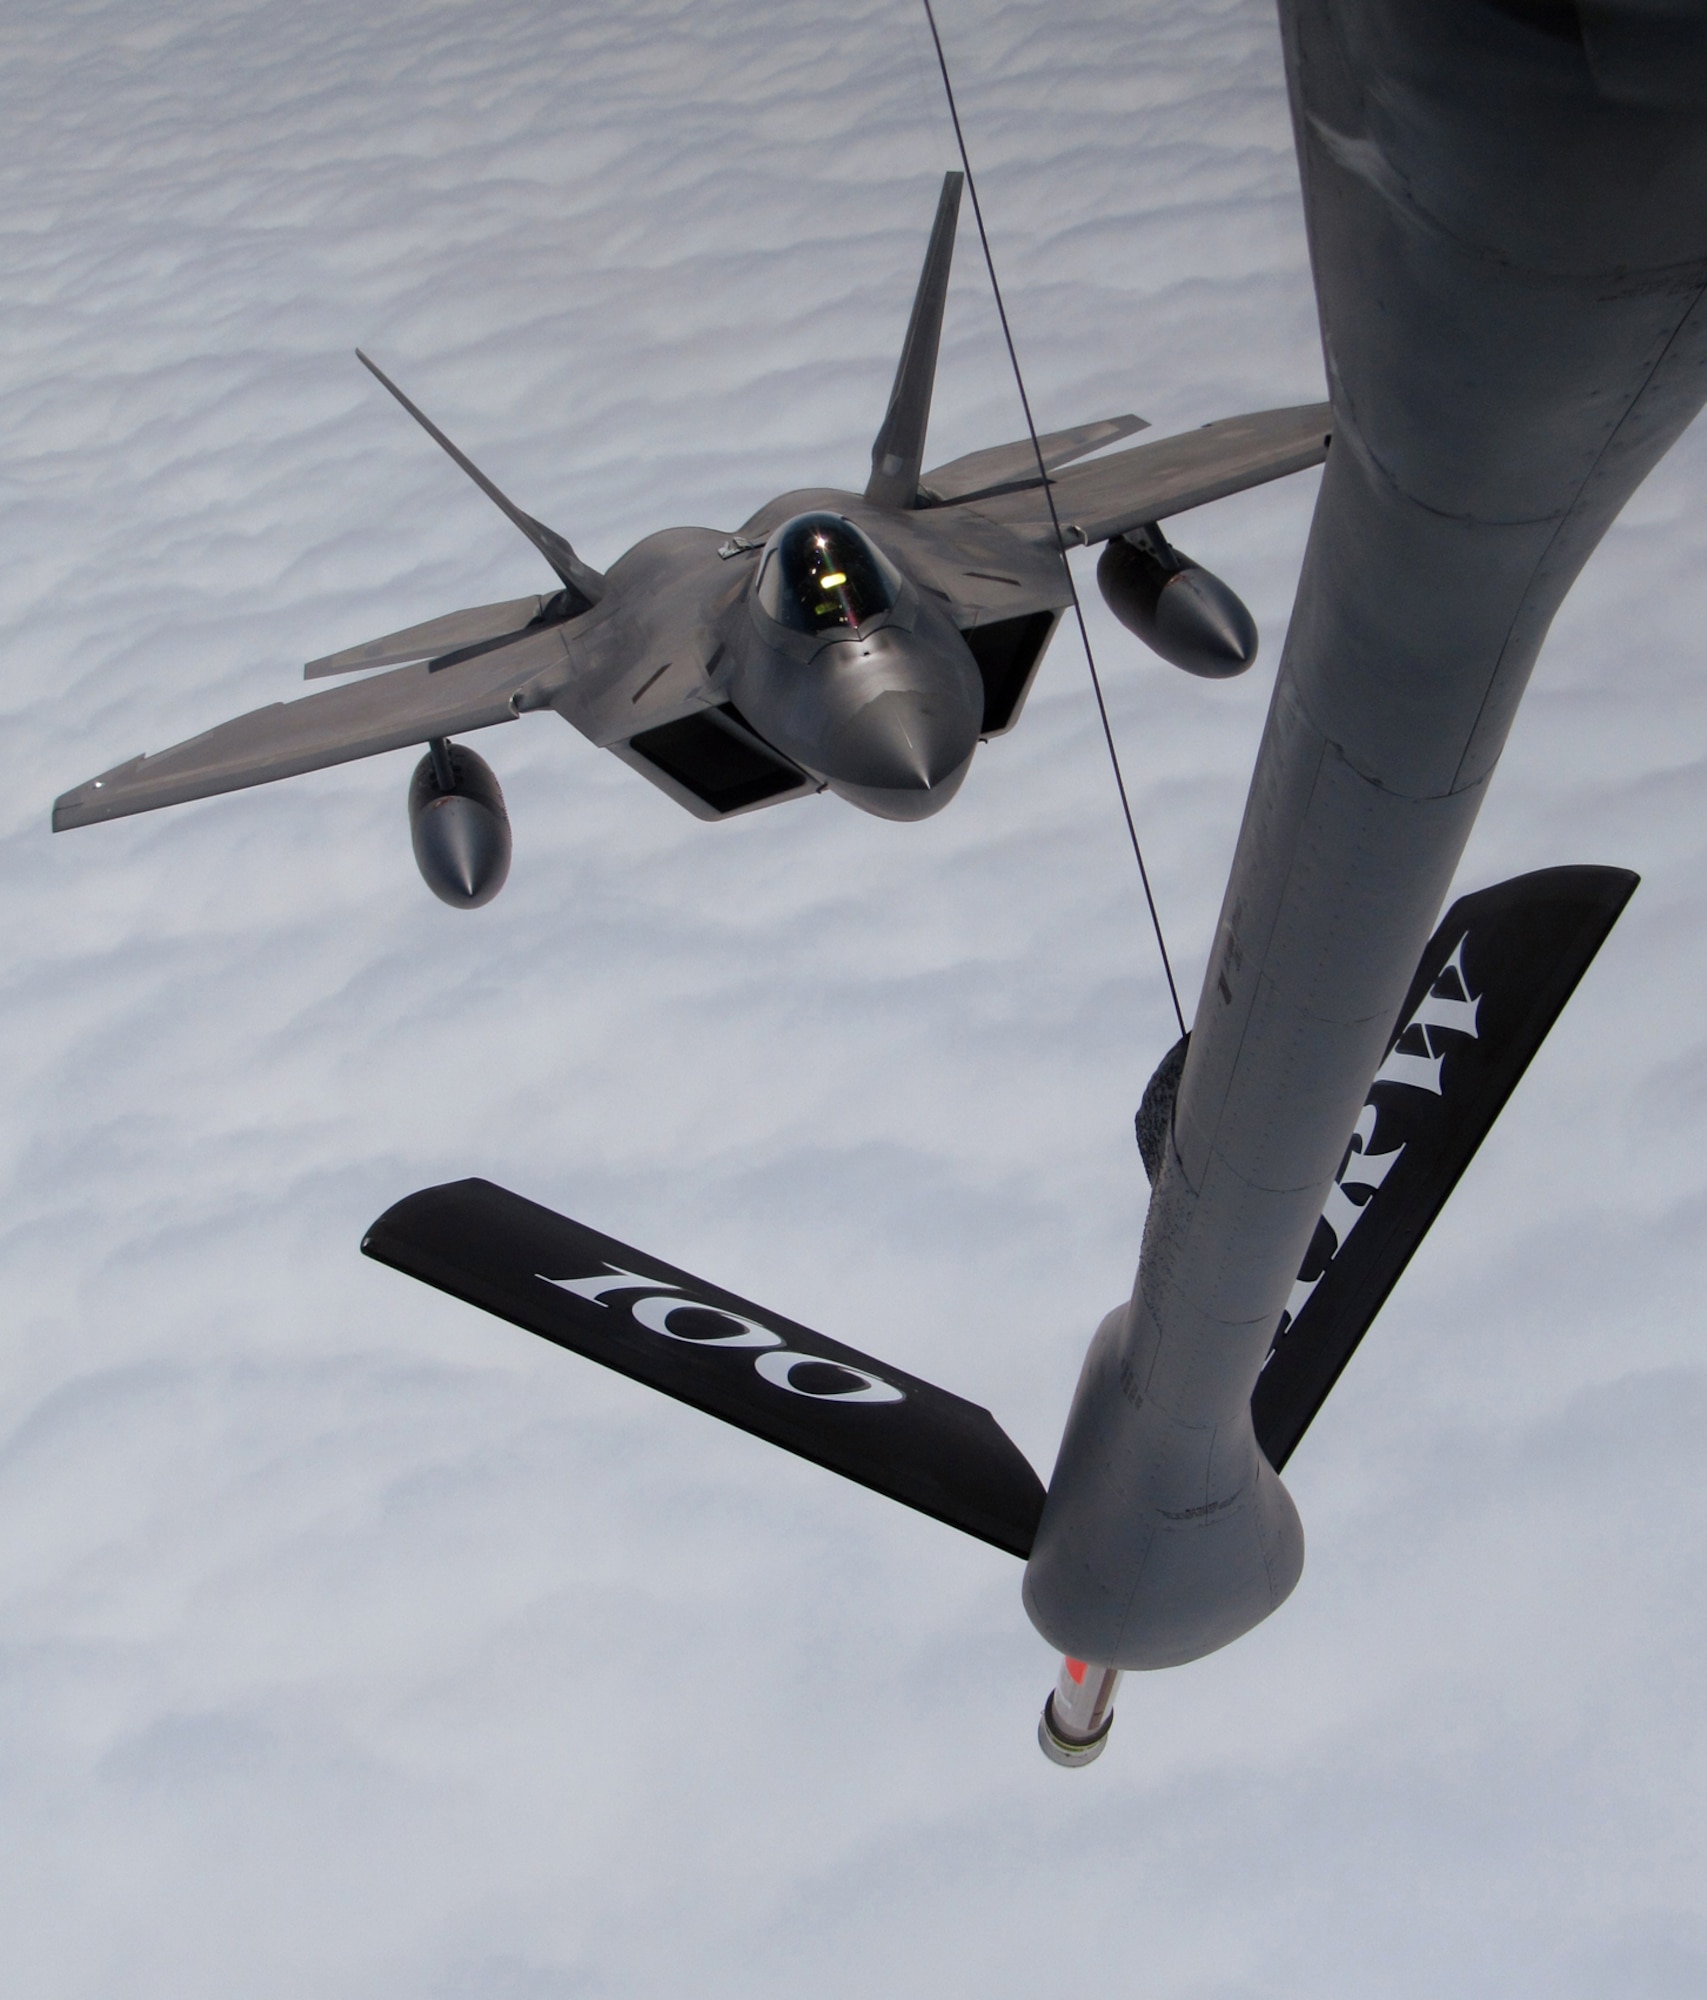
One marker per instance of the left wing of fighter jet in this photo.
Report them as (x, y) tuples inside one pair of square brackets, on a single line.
[(1005, 468), (754, 1369), (1151, 482)]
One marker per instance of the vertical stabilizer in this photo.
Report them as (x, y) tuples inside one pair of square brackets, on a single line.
[(898, 456)]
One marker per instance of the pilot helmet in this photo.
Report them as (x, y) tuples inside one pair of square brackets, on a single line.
[(821, 575)]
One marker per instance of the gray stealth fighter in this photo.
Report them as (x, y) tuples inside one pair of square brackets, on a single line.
[(864, 644)]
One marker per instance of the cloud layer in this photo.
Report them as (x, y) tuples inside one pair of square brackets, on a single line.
[(352, 1644)]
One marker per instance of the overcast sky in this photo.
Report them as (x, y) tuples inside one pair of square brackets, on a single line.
[(352, 1643)]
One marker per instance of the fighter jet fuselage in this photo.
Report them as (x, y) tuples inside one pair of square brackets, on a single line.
[(822, 631), (851, 669)]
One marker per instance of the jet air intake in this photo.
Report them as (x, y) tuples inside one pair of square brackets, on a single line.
[(1176, 606), (457, 822)]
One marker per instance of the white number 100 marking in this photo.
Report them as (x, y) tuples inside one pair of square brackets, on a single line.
[(776, 1366)]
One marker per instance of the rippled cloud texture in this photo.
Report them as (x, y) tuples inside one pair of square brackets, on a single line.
[(354, 1644)]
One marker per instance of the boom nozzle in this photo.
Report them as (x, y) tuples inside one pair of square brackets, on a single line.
[(1078, 1714)]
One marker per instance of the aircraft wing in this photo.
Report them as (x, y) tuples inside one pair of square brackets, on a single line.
[(485, 626), (1003, 466), (387, 712), (1153, 481)]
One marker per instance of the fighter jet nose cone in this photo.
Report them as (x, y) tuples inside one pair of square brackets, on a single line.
[(909, 741), (1199, 618), (902, 756)]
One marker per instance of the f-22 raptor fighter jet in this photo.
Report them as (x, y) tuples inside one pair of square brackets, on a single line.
[(863, 644)]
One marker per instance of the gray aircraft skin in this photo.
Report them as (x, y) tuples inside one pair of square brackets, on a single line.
[(1506, 203), (1507, 216), (863, 643)]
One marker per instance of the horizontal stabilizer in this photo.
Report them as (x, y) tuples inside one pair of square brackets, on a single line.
[(388, 712), (1150, 482), (455, 633), (1007, 468), (723, 1354), (585, 584), (1494, 979)]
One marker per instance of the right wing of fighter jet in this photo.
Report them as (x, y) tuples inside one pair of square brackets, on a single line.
[(479, 667), (384, 712), (456, 636)]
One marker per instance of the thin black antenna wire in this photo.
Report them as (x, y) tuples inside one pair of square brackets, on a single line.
[(1054, 518)]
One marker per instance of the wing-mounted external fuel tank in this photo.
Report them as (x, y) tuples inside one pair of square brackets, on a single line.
[(1176, 606), (459, 827)]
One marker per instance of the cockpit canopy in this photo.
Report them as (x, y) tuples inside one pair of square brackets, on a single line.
[(820, 574)]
